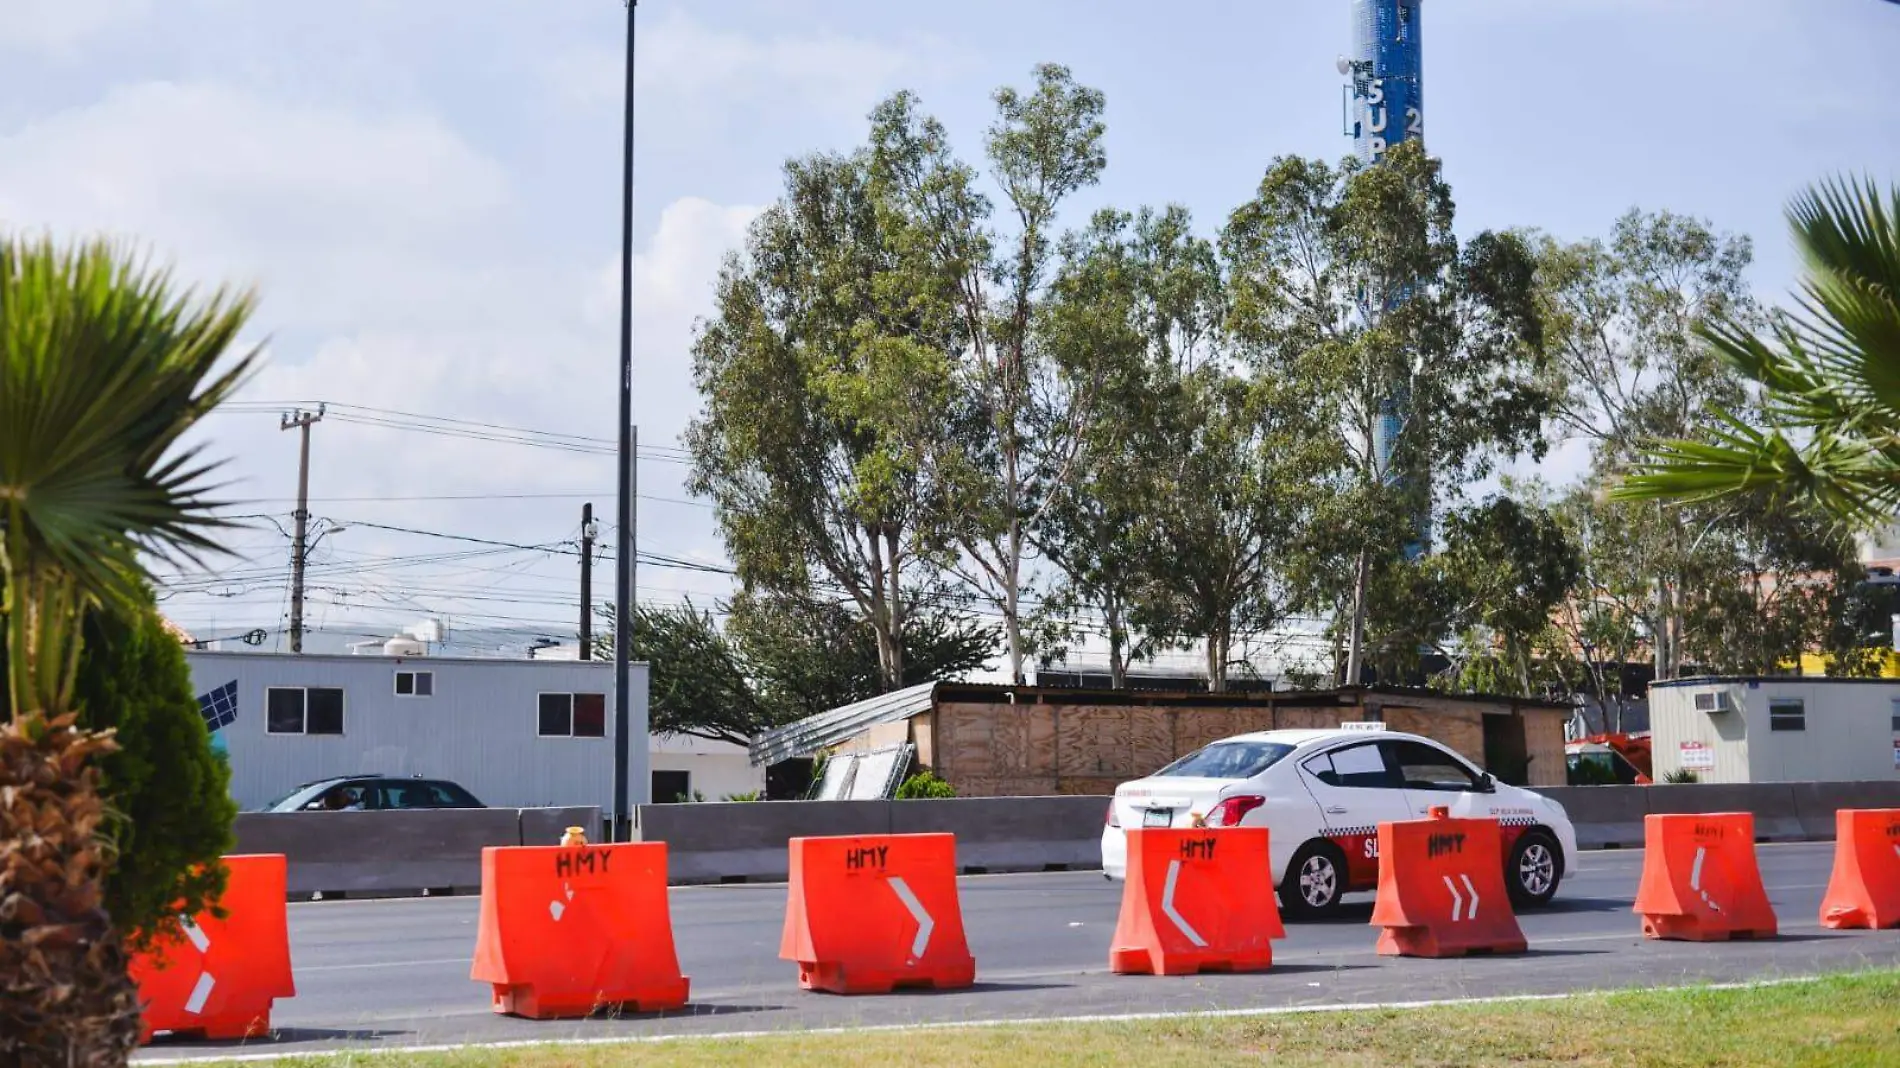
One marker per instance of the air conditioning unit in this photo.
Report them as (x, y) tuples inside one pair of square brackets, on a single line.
[(1716, 701)]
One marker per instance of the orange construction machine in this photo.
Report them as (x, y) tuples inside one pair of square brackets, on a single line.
[(1625, 757)]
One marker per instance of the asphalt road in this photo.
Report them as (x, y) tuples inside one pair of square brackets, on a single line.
[(395, 973)]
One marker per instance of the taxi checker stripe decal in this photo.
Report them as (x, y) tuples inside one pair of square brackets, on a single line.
[(1371, 830)]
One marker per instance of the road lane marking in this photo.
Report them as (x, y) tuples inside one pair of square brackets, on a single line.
[(361, 1055)]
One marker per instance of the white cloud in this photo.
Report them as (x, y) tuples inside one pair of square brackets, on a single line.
[(702, 69), (395, 273), (56, 27), (339, 218)]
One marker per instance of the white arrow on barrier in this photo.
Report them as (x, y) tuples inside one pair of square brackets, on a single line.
[(925, 924), (1457, 901), (557, 909), (1695, 877), (1167, 906), (1472, 912), (201, 990)]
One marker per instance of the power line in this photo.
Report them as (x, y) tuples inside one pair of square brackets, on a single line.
[(478, 497), (468, 429)]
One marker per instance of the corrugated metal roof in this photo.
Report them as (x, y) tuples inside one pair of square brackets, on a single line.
[(809, 735)]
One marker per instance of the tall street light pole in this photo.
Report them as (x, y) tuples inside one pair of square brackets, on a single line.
[(624, 541)]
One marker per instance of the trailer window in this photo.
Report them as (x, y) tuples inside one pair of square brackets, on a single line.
[(572, 715), (415, 684), (303, 710), (1787, 714)]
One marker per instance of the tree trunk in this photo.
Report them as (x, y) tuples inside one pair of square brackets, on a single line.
[(1217, 642), (65, 998), (1659, 632), (897, 613), (1355, 648), (1012, 624), (1117, 641)]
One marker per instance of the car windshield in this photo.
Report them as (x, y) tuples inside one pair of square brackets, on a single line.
[(1227, 760), (275, 801)]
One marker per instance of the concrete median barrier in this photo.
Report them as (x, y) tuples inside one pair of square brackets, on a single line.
[(1816, 802), (1771, 803), (384, 853), (545, 826), (369, 853), (745, 841), (996, 834), (1605, 817)]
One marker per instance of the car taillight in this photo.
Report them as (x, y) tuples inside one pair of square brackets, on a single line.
[(1112, 821), (1232, 810)]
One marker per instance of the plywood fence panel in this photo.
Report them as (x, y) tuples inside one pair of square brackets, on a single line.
[(1087, 786), (1196, 727), (1040, 759), (964, 736), (1151, 740), (924, 736), (1302, 719), (1250, 718), (1093, 741), (1005, 786), (1544, 739), (1009, 740), (1460, 729)]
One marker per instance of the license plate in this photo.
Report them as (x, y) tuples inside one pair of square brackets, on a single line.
[(1157, 817)]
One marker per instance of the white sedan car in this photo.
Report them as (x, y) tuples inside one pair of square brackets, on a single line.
[(1323, 794)]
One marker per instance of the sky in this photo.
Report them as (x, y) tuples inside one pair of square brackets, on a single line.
[(425, 195)]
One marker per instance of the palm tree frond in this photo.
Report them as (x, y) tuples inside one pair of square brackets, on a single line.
[(104, 366), (1829, 376)]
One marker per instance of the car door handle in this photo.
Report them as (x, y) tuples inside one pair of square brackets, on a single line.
[(1335, 810)]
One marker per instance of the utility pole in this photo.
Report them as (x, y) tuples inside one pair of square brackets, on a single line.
[(630, 749), (302, 420), (588, 531)]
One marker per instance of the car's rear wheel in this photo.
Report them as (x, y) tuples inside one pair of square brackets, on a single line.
[(1534, 868), (1314, 882)]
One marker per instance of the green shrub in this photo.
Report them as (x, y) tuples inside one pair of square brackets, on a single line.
[(1682, 775), (747, 795), (169, 793), (922, 785)]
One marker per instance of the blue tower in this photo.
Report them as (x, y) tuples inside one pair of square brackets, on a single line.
[(1387, 107), (1387, 68)]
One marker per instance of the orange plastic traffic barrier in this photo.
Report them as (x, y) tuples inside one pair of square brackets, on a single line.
[(567, 931), (1700, 881), (869, 913), (1196, 900), (1864, 890), (1441, 889), (218, 978)]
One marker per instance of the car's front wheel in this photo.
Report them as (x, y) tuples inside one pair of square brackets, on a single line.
[(1314, 882), (1534, 868)]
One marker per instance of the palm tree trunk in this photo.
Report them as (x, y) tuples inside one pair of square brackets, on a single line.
[(65, 998)]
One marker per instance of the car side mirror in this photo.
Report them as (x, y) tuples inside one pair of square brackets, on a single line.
[(1487, 784)]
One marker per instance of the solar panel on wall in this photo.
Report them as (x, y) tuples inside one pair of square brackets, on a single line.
[(219, 707)]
